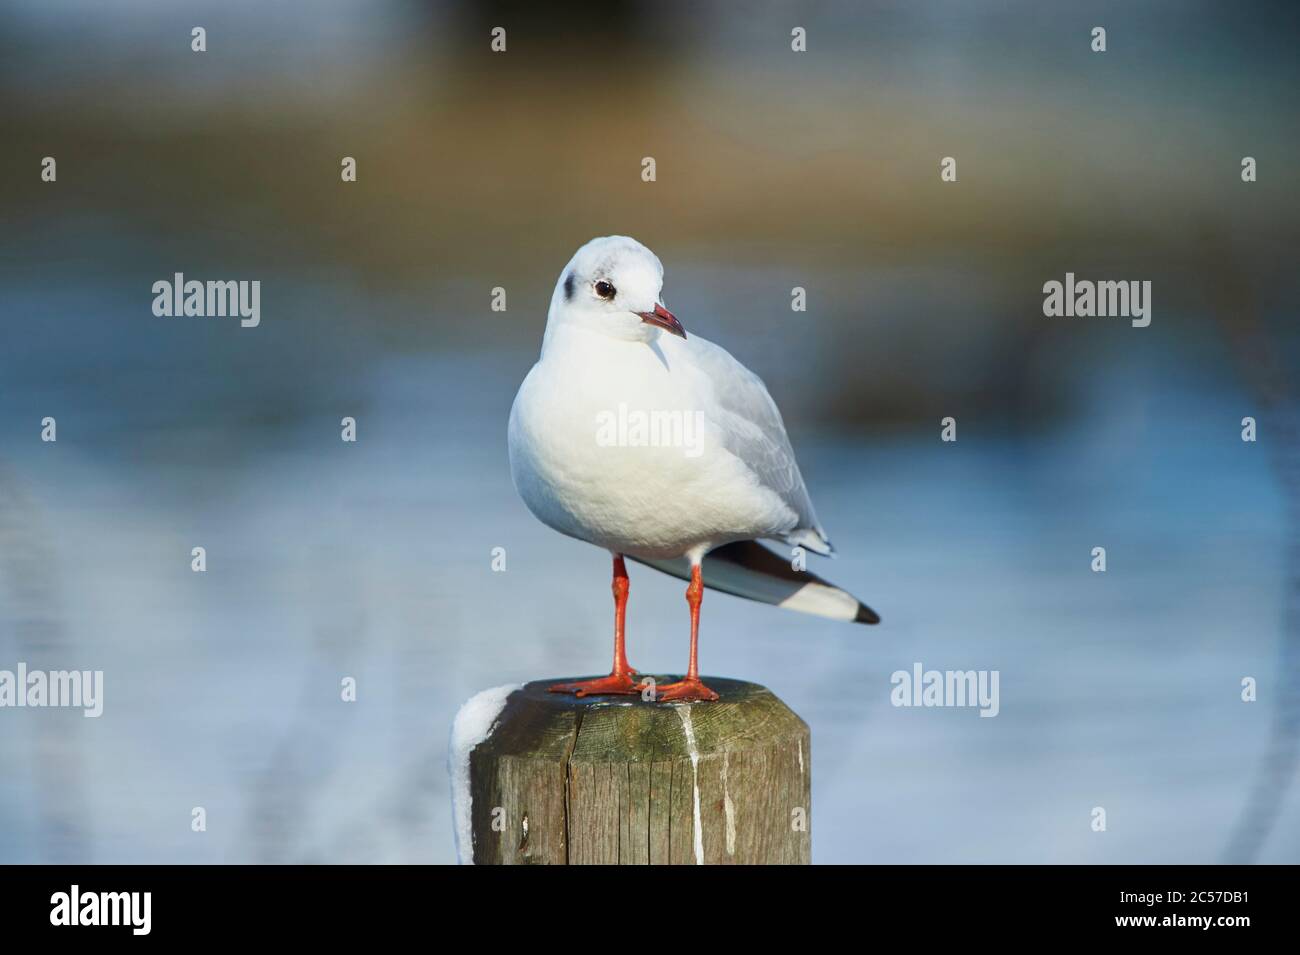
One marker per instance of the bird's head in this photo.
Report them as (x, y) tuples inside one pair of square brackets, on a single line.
[(613, 285)]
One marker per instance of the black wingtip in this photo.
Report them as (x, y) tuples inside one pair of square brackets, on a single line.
[(866, 614)]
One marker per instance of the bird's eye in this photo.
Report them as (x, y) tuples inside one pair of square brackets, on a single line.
[(604, 289)]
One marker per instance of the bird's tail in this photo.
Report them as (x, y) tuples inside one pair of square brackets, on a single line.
[(748, 569)]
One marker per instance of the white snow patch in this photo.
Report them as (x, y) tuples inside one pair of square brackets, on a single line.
[(474, 723), (684, 711)]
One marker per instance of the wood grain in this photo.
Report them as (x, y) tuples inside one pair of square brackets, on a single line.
[(616, 780)]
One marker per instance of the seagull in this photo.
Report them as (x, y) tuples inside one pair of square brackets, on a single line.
[(660, 447)]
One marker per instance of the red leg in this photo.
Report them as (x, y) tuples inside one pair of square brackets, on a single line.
[(690, 689), (620, 586), (620, 679)]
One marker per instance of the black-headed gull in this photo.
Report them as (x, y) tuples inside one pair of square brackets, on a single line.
[(631, 436)]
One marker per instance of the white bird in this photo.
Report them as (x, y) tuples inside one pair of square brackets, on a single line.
[(631, 436)]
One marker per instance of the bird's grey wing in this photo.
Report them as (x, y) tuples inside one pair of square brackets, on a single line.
[(753, 431), (748, 569)]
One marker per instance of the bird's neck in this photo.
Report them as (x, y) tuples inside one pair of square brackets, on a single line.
[(565, 336)]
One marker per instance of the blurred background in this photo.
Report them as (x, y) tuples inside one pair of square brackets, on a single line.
[(774, 170)]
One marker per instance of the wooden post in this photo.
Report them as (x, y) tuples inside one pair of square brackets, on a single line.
[(620, 780)]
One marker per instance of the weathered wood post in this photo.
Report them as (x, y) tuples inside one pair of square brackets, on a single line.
[(622, 780)]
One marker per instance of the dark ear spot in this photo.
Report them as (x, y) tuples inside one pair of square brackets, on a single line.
[(568, 287)]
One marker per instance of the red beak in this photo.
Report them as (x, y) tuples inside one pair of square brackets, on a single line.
[(665, 320)]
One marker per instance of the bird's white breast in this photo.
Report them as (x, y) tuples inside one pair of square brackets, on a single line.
[(612, 442)]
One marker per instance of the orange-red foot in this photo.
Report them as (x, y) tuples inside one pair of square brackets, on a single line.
[(685, 691), (616, 683)]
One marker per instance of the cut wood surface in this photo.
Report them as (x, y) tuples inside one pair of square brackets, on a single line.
[(623, 780)]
